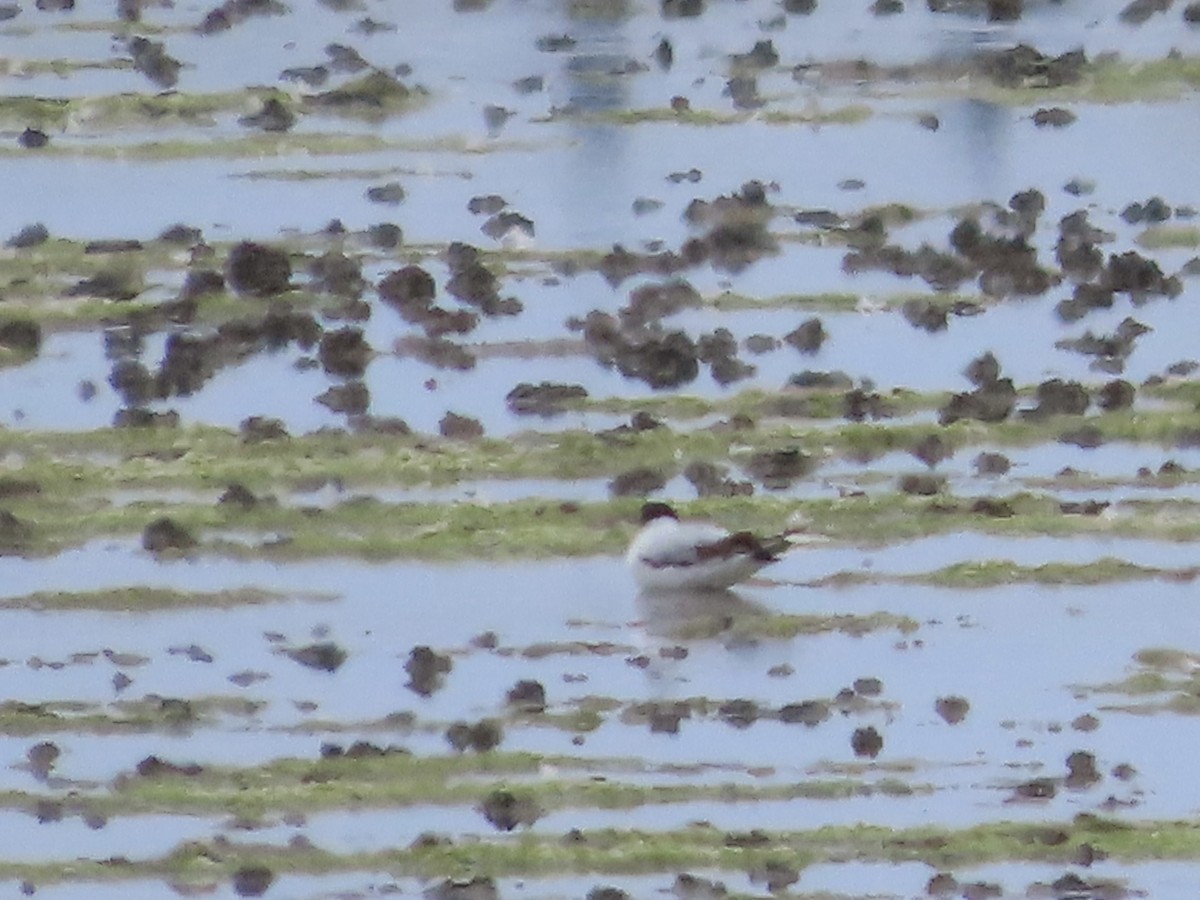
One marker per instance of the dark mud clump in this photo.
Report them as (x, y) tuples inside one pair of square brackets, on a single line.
[(438, 352), (29, 236), (1006, 262), (808, 712), (545, 399), (859, 404), (808, 336), (337, 274), (408, 287), (652, 302), (42, 758), (866, 742), (256, 429), (410, 291), (509, 225), (235, 12), (390, 194), (373, 95), (711, 480), (482, 736), (1116, 395), (155, 767), (639, 482), (487, 204), (738, 223), (932, 449), (739, 713), (527, 696), (258, 270), (993, 399), (665, 361), (718, 349), (33, 139), (1154, 210), (1110, 350), (762, 55), (426, 670), (385, 236), (1081, 771), (1134, 274), (145, 418), (660, 358), (273, 116), (1076, 250), (505, 810), (344, 352), (474, 284), (479, 887), (927, 315), (21, 336), (252, 881), (943, 884), (779, 469), (682, 9), (460, 428), (993, 508), (952, 709), (665, 717), (115, 283), (1056, 397), (166, 535), (922, 485), (775, 875), (325, 656), (352, 398), (1036, 789), (606, 892), (152, 60), (199, 283), (1026, 67), (1053, 117), (238, 495), (693, 887), (1138, 11)]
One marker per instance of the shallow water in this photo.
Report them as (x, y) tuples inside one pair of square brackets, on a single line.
[(1031, 659)]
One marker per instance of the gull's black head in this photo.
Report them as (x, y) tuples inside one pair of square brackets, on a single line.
[(655, 510)]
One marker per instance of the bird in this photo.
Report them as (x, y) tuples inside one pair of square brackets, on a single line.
[(667, 554)]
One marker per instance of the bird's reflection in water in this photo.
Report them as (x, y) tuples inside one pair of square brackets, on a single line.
[(693, 614)]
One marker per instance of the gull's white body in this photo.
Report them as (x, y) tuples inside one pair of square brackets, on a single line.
[(671, 555)]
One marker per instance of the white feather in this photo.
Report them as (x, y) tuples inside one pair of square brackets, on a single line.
[(667, 555)]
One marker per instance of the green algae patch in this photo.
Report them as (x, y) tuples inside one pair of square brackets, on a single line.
[(996, 572), (150, 714), (1166, 680), (790, 625), (850, 114), (369, 528), (1113, 80), (394, 778), (133, 599), (1161, 237), (838, 302), (634, 851), (1108, 79), (245, 146), (373, 96), (827, 302), (80, 479)]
